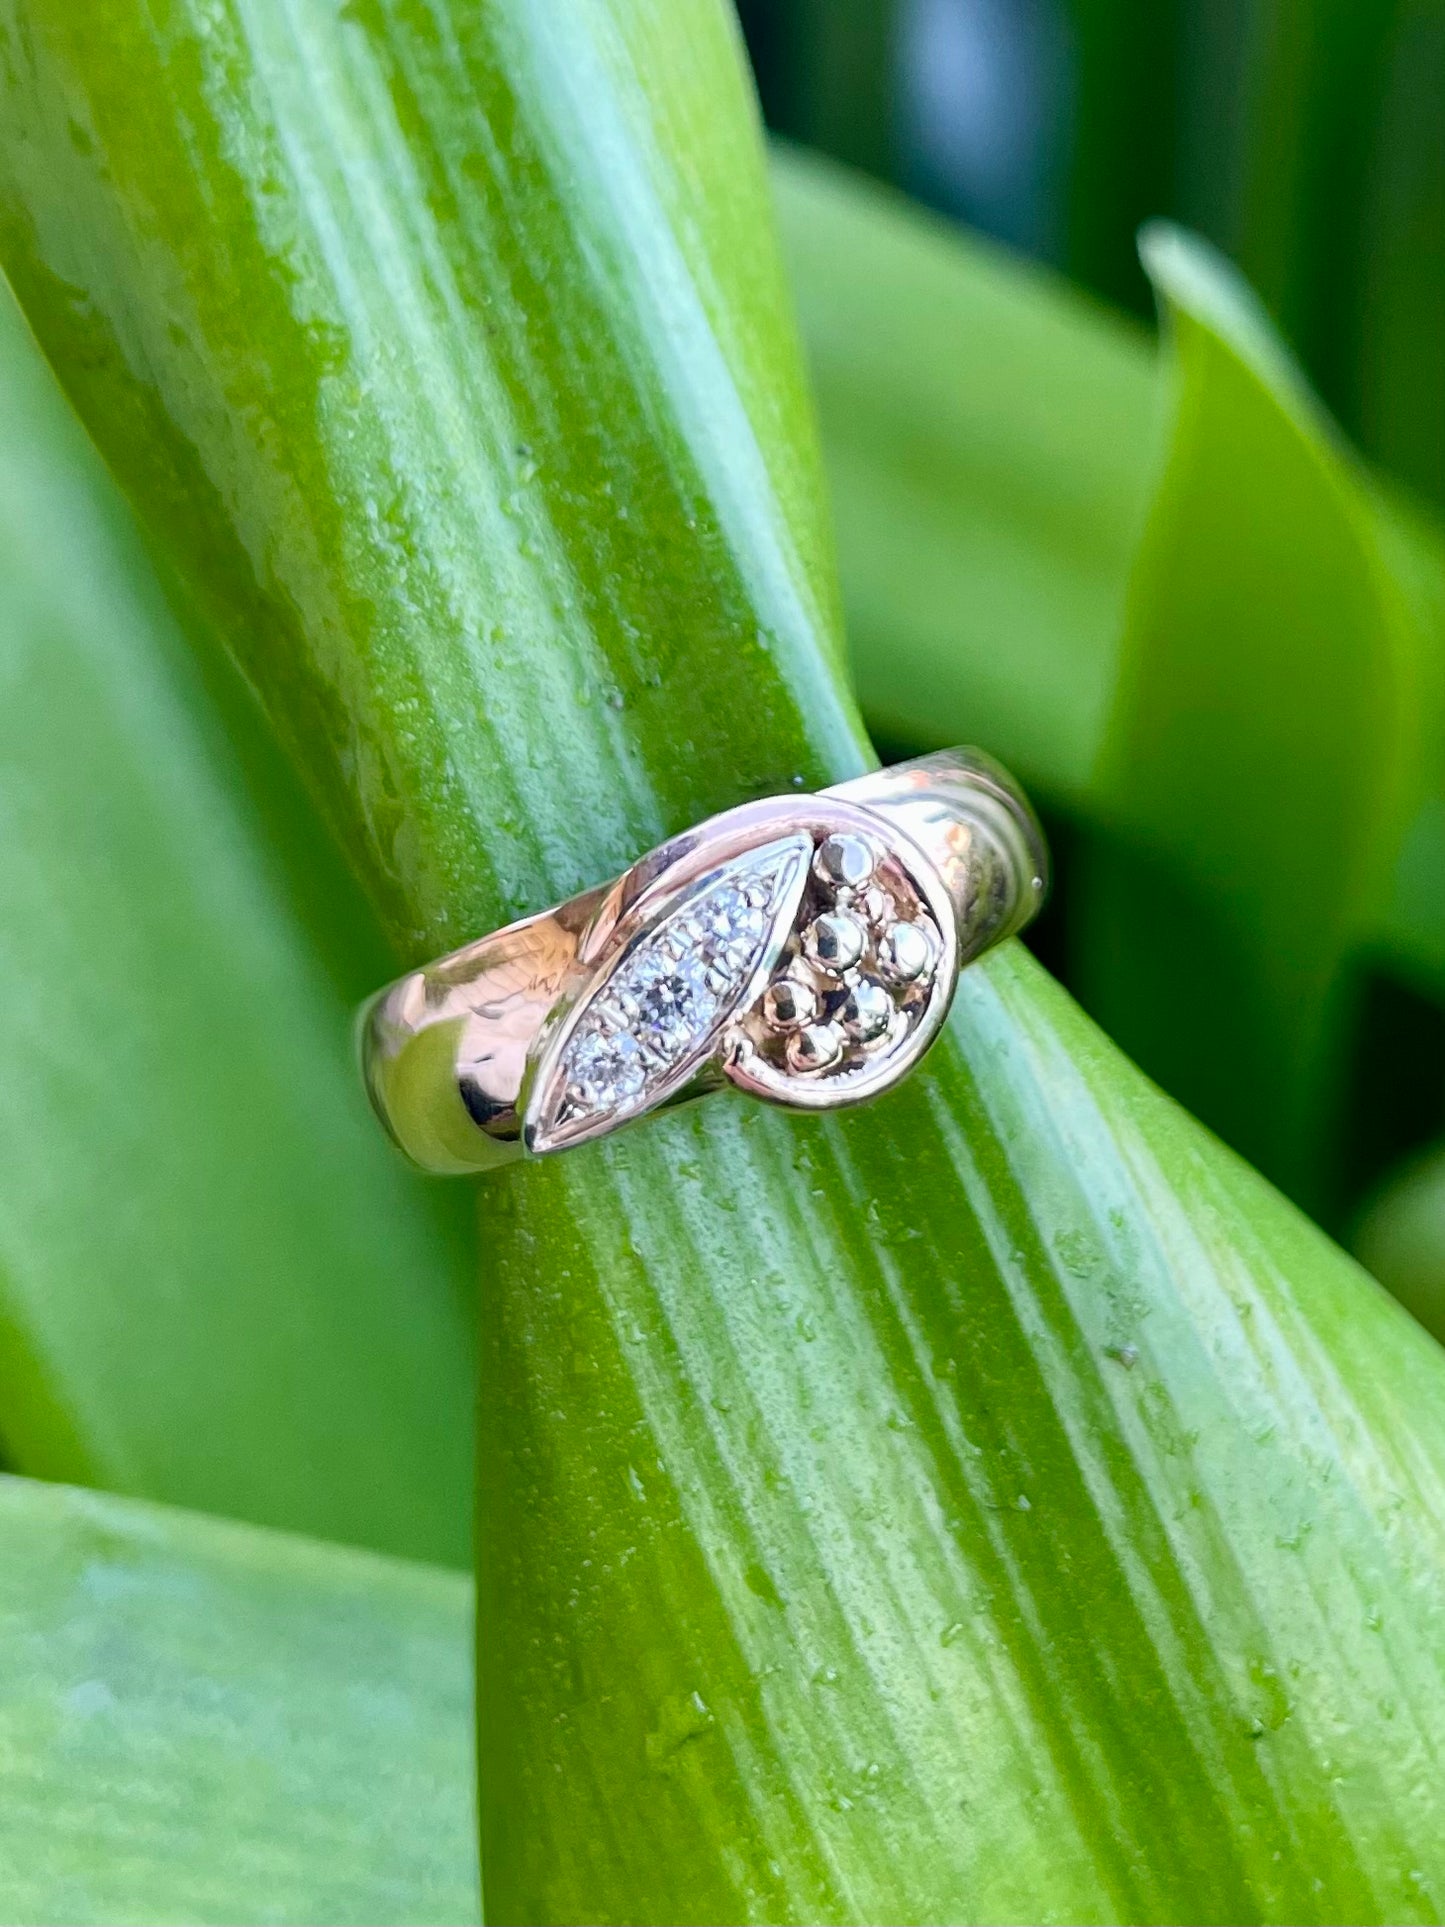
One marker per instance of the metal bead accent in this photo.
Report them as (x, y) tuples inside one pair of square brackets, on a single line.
[(815, 1048), (854, 979), (905, 953), (789, 1003), (835, 941), (866, 1011), (873, 903), (845, 861)]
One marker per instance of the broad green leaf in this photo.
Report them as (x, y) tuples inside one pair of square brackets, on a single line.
[(1257, 754), (1187, 615), (216, 1287), (205, 1722), (358, 454), (1015, 1511), (988, 439), (996, 1504)]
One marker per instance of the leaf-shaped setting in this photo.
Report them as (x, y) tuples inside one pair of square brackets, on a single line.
[(653, 1016)]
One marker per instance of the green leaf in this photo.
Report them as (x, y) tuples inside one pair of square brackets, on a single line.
[(1257, 752), (988, 438), (994, 1504), (1311, 90), (1002, 1506), (1400, 306), (1400, 1238), (216, 1286), (1177, 605), (378, 541), (203, 1722)]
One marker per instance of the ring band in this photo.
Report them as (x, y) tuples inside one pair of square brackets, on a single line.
[(803, 949)]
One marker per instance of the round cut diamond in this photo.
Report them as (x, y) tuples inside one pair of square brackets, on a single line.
[(605, 1068), (730, 924), (669, 997)]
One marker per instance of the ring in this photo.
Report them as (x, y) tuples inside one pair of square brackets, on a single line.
[(803, 949)]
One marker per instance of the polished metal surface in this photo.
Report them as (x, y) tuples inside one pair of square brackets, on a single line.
[(803, 949)]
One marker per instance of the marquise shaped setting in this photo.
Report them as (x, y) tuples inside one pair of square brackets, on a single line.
[(653, 1019)]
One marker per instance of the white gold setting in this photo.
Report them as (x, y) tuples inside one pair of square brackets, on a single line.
[(804, 949), (655, 1015)]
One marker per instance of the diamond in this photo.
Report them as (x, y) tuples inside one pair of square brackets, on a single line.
[(731, 924), (649, 1023), (667, 998), (604, 1068)]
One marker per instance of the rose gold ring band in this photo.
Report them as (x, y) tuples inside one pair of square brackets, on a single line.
[(803, 949)]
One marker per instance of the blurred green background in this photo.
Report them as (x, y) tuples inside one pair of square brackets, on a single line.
[(1123, 325), (1231, 729), (1305, 138)]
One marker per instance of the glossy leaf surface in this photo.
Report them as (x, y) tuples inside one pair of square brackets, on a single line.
[(216, 1286), (994, 1504), (203, 1721), (360, 444), (989, 1532)]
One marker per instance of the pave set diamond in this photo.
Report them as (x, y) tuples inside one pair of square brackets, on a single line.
[(672, 990), (850, 952)]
